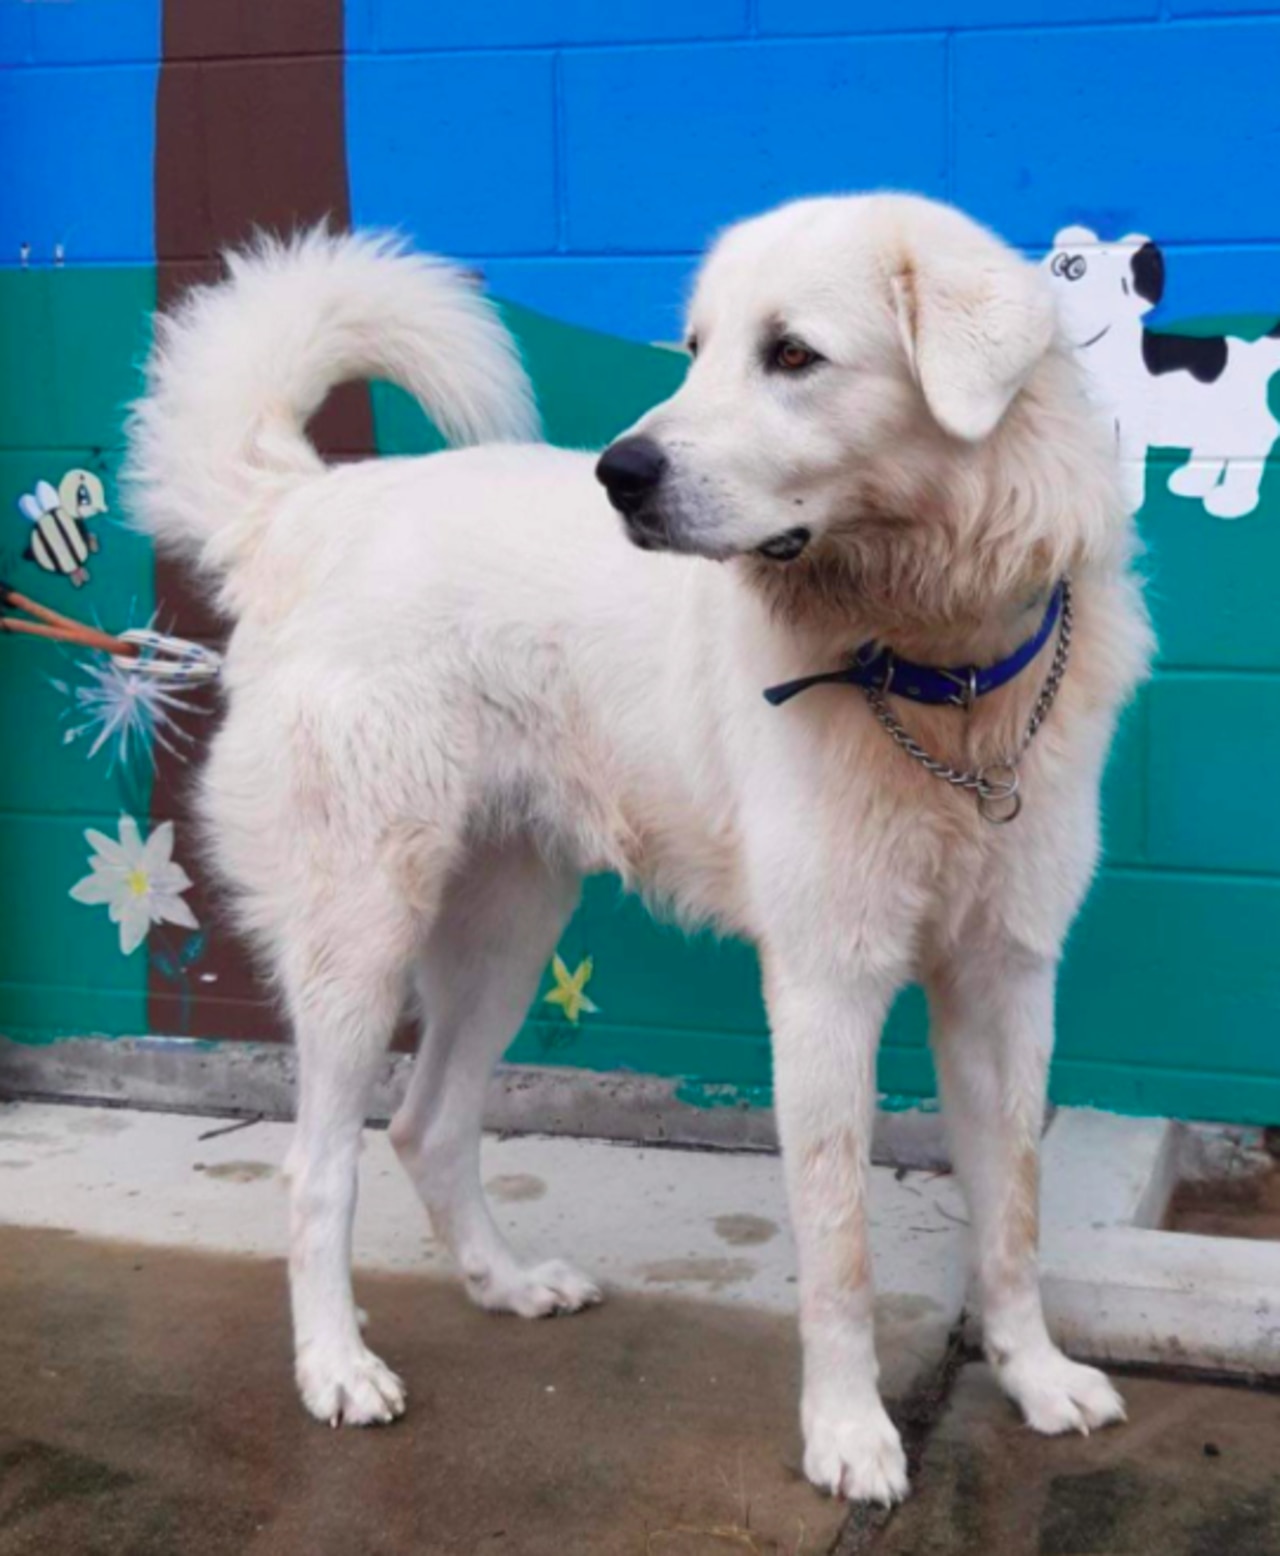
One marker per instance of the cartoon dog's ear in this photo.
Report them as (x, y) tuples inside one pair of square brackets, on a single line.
[(1147, 266), (975, 323), (1075, 238)]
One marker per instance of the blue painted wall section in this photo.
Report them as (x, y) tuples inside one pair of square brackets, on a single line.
[(662, 150), (1170, 129), (79, 32), (460, 146), (666, 120), (77, 130), (81, 181)]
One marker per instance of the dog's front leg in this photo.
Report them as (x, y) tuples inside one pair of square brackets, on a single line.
[(992, 1033), (825, 1035)]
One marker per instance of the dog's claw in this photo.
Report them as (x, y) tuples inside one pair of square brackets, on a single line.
[(1056, 1394), (540, 1291), (352, 1388)]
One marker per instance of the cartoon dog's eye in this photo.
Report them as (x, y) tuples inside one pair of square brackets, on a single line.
[(691, 345), (1069, 266)]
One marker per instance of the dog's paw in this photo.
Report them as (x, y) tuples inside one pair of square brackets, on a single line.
[(856, 1454), (539, 1291), (349, 1386), (1058, 1395)]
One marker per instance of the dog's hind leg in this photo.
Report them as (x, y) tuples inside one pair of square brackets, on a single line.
[(494, 936), (992, 1033), (345, 970)]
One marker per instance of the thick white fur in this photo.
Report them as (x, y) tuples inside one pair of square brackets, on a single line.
[(238, 370), (454, 688)]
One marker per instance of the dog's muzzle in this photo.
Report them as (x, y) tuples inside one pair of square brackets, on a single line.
[(631, 472)]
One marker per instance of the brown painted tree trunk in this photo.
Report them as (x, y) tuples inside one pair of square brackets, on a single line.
[(250, 133)]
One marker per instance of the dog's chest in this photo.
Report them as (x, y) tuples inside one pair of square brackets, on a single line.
[(874, 841)]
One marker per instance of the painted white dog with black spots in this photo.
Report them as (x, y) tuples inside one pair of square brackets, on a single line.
[(1206, 394)]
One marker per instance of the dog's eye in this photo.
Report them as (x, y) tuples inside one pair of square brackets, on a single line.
[(691, 345), (792, 356)]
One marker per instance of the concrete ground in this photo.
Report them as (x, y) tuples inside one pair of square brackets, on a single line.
[(1194, 1472), (147, 1409), (702, 1225), (146, 1397), (1247, 1206)]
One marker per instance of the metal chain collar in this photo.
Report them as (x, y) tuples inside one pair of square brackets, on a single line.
[(995, 787)]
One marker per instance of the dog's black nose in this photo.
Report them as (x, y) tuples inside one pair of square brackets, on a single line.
[(629, 470)]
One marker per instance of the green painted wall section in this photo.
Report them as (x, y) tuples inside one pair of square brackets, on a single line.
[(70, 342), (1172, 986)]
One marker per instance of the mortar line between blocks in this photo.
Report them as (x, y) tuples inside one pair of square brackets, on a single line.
[(559, 151)]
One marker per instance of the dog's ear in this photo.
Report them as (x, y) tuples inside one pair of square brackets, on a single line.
[(974, 325), (1147, 267)]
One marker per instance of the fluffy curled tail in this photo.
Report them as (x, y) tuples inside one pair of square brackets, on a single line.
[(240, 367)]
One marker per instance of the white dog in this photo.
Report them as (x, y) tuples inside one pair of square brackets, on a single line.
[(455, 687), (1203, 393)]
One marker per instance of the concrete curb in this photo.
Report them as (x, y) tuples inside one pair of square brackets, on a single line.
[(257, 1079), (1117, 1286)]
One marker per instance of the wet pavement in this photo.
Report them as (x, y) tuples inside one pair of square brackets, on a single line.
[(1194, 1472), (147, 1405), (147, 1409)]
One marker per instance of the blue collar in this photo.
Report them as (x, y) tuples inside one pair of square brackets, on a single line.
[(882, 670)]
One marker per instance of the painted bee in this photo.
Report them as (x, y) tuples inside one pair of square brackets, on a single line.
[(61, 541)]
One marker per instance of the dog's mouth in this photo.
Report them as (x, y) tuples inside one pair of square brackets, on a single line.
[(654, 528), (651, 529), (787, 546), (1083, 345)]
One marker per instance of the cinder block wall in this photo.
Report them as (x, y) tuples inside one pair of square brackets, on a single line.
[(581, 154), (634, 130)]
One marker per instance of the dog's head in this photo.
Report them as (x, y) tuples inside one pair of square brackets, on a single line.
[(1101, 286), (855, 361)]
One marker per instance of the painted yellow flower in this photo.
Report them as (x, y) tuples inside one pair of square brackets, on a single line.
[(570, 990)]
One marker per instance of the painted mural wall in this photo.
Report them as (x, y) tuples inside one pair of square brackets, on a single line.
[(580, 155)]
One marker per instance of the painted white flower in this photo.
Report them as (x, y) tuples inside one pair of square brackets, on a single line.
[(122, 711), (138, 883), (127, 709)]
